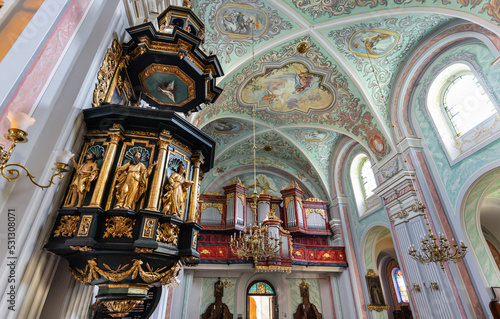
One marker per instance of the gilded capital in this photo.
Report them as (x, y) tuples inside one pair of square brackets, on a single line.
[(163, 144), (115, 137)]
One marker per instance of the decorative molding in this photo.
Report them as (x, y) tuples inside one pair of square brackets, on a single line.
[(167, 233), (93, 272), (121, 308), (228, 198), (315, 210), (149, 225), (84, 226), (81, 248), (142, 250), (106, 72), (119, 226), (67, 226), (218, 206)]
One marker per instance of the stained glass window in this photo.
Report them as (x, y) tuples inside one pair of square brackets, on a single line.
[(261, 288), (399, 285)]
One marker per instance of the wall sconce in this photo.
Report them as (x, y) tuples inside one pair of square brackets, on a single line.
[(416, 288), (17, 134), (432, 286)]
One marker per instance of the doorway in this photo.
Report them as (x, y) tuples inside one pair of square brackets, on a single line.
[(261, 301)]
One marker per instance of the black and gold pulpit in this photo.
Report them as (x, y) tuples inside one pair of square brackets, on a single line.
[(128, 220)]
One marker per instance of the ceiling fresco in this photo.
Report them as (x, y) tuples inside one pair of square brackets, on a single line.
[(318, 11), (305, 102), (377, 49)]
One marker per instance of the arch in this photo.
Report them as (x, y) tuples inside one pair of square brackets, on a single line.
[(410, 74), (470, 221)]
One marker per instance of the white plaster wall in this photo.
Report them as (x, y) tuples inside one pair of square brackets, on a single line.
[(58, 126)]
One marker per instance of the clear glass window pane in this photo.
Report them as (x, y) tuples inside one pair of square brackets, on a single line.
[(466, 103), (367, 178)]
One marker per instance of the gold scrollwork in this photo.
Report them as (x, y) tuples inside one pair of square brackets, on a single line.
[(81, 248), (121, 308), (206, 205), (205, 252), (195, 240), (84, 228), (401, 215), (326, 256), (297, 253), (377, 308), (167, 233), (315, 210), (93, 272), (288, 200), (313, 199), (142, 250), (119, 226), (67, 226), (181, 145), (241, 197), (228, 198), (106, 72), (149, 225)]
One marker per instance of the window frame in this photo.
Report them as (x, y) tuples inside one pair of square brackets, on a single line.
[(364, 204), (457, 148)]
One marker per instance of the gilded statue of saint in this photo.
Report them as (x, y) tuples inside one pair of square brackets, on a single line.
[(176, 195), (131, 181), (85, 174)]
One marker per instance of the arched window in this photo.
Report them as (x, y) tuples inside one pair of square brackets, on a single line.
[(461, 108), (363, 182), (400, 285), (464, 100), (367, 178)]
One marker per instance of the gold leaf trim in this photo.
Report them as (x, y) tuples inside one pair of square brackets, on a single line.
[(315, 210), (206, 205), (377, 308), (121, 308), (149, 225), (205, 252), (142, 250), (81, 248), (167, 233), (119, 226), (67, 226), (228, 198), (106, 72), (84, 228), (93, 272)]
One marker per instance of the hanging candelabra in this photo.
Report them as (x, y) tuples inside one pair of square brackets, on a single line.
[(433, 252), (259, 243), (20, 122)]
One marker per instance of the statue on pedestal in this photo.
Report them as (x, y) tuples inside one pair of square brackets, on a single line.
[(174, 199), (132, 181), (85, 174)]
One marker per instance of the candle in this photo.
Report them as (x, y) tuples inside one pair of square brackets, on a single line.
[(20, 120), (63, 156)]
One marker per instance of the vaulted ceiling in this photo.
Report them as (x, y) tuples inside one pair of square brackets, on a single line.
[(318, 71)]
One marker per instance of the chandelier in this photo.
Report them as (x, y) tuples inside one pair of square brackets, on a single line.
[(259, 243), (431, 251)]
